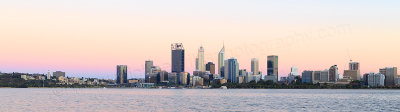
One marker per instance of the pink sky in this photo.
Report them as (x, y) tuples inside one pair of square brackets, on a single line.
[(90, 40)]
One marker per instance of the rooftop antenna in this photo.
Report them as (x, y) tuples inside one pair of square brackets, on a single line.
[(348, 54)]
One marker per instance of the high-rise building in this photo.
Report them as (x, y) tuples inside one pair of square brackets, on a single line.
[(210, 66), (354, 66), (294, 71), (317, 76), (307, 77), (122, 74), (59, 74), (148, 65), (324, 77), (48, 74), (272, 66), (354, 71), (390, 75), (221, 59), (254, 66), (200, 61), (152, 77), (178, 58), (376, 80), (231, 70), (162, 77), (333, 73), (197, 64)]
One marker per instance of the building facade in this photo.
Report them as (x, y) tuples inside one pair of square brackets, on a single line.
[(221, 59), (231, 70), (122, 74), (376, 80), (333, 73), (178, 58), (59, 74), (272, 66), (200, 57), (254, 66), (307, 77), (210, 66), (390, 75)]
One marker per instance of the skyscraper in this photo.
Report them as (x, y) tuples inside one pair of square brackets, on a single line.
[(210, 66), (122, 74), (354, 72), (333, 73), (232, 70), (272, 66), (178, 58), (148, 71), (354, 65), (390, 75), (254, 66), (221, 57), (200, 61)]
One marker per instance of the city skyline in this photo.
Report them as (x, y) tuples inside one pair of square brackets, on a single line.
[(89, 41)]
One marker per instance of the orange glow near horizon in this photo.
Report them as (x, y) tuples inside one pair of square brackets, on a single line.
[(90, 40)]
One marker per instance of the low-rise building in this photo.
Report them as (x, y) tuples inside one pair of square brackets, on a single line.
[(270, 77)]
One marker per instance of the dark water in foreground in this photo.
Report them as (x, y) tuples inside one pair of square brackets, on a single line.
[(121, 100)]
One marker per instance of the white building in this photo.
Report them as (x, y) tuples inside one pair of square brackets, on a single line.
[(294, 71), (200, 60), (376, 79)]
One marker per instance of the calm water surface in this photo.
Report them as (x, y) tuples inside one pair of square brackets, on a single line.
[(122, 100)]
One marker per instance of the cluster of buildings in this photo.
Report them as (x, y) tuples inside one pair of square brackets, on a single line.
[(61, 79), (386, 76), (226, 71)]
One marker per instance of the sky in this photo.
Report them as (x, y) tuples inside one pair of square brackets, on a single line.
[(88, 38)]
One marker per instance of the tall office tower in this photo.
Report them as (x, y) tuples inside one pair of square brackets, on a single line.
[(231, 70), (210, 66), (148, 71), (354, 72), (390, 75), (48, 74), (272, 66), (122, 74), (376, 80), (200, 58), (294, 71), (197, 64), (354, 65), (333, 73), (254, 66), (221, 57), (178, 58)]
